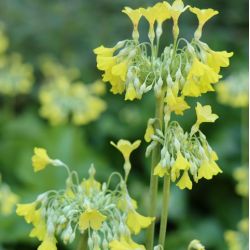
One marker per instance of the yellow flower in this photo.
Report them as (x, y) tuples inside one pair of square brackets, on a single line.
[(49, 243), (150, 14), (103, 51), (125, 203), (126, 147), (134, 15), (131, 93), (208, 169), (149, 132), (204, 114), (136, 222), (40, 228), (176, 103), (91, 184), (8, 200), (105, 62), (162, 10), (199, 79), (218, 59), (203, 16), (180, 164), (91, 218), (176, 9), (185, 181), (120, 70), (160, 170), (27, 211), (40, 159), (125, 244)]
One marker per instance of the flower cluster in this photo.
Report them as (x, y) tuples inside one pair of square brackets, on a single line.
[(241, 174), (238, 240), (16, 77), (108, 217), (181, 69), (8, 199), (183, 153), (233, 91), (62, 96)]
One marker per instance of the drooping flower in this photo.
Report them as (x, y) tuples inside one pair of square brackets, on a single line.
[(49, 243), (180, 164), (40, 228), (203, 16), (91, 218), (125, 243), (176, 103), (160, 170), (185, 181), (136, 221), (28, 211), (204, 114), (40, 159)]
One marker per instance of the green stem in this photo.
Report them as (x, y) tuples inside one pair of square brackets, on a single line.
[(154, 179), (164, 212), (83, 245)]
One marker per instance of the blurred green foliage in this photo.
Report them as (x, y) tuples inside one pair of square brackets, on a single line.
[(69, 30)]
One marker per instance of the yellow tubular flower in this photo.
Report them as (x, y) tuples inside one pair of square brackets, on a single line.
[(126, 147), (204, 114), (125, 244), (135, 16), (149, 132), (175, 103), (218, 59), (180, 164), (162, 12), (150, 14), (176, 9), (160, 170), (40, 228), (103, 51), (49, 243), (131, 93), (40, 159), (91, 218), (28, 211), (8, 200), (185, 181), (136, 222), (203, 16), (120, 70)]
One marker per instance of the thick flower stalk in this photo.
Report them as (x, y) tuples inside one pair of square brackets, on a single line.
[(62, 97), (181, 69), (108, 217)]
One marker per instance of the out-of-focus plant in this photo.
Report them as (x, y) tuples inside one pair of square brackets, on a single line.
[(64, 98), (233, 91), (238, 240), (16, 77), (180, 70), (8, 199)]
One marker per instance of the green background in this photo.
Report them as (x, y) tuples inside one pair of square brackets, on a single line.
[(69, 31)]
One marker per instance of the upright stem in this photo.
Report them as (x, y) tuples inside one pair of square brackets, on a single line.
[(154, 179), (164, 212), (83, 242)]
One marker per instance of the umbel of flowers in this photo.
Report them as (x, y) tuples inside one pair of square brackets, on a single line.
[(179, 70), (108, 217), (63, 97)]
